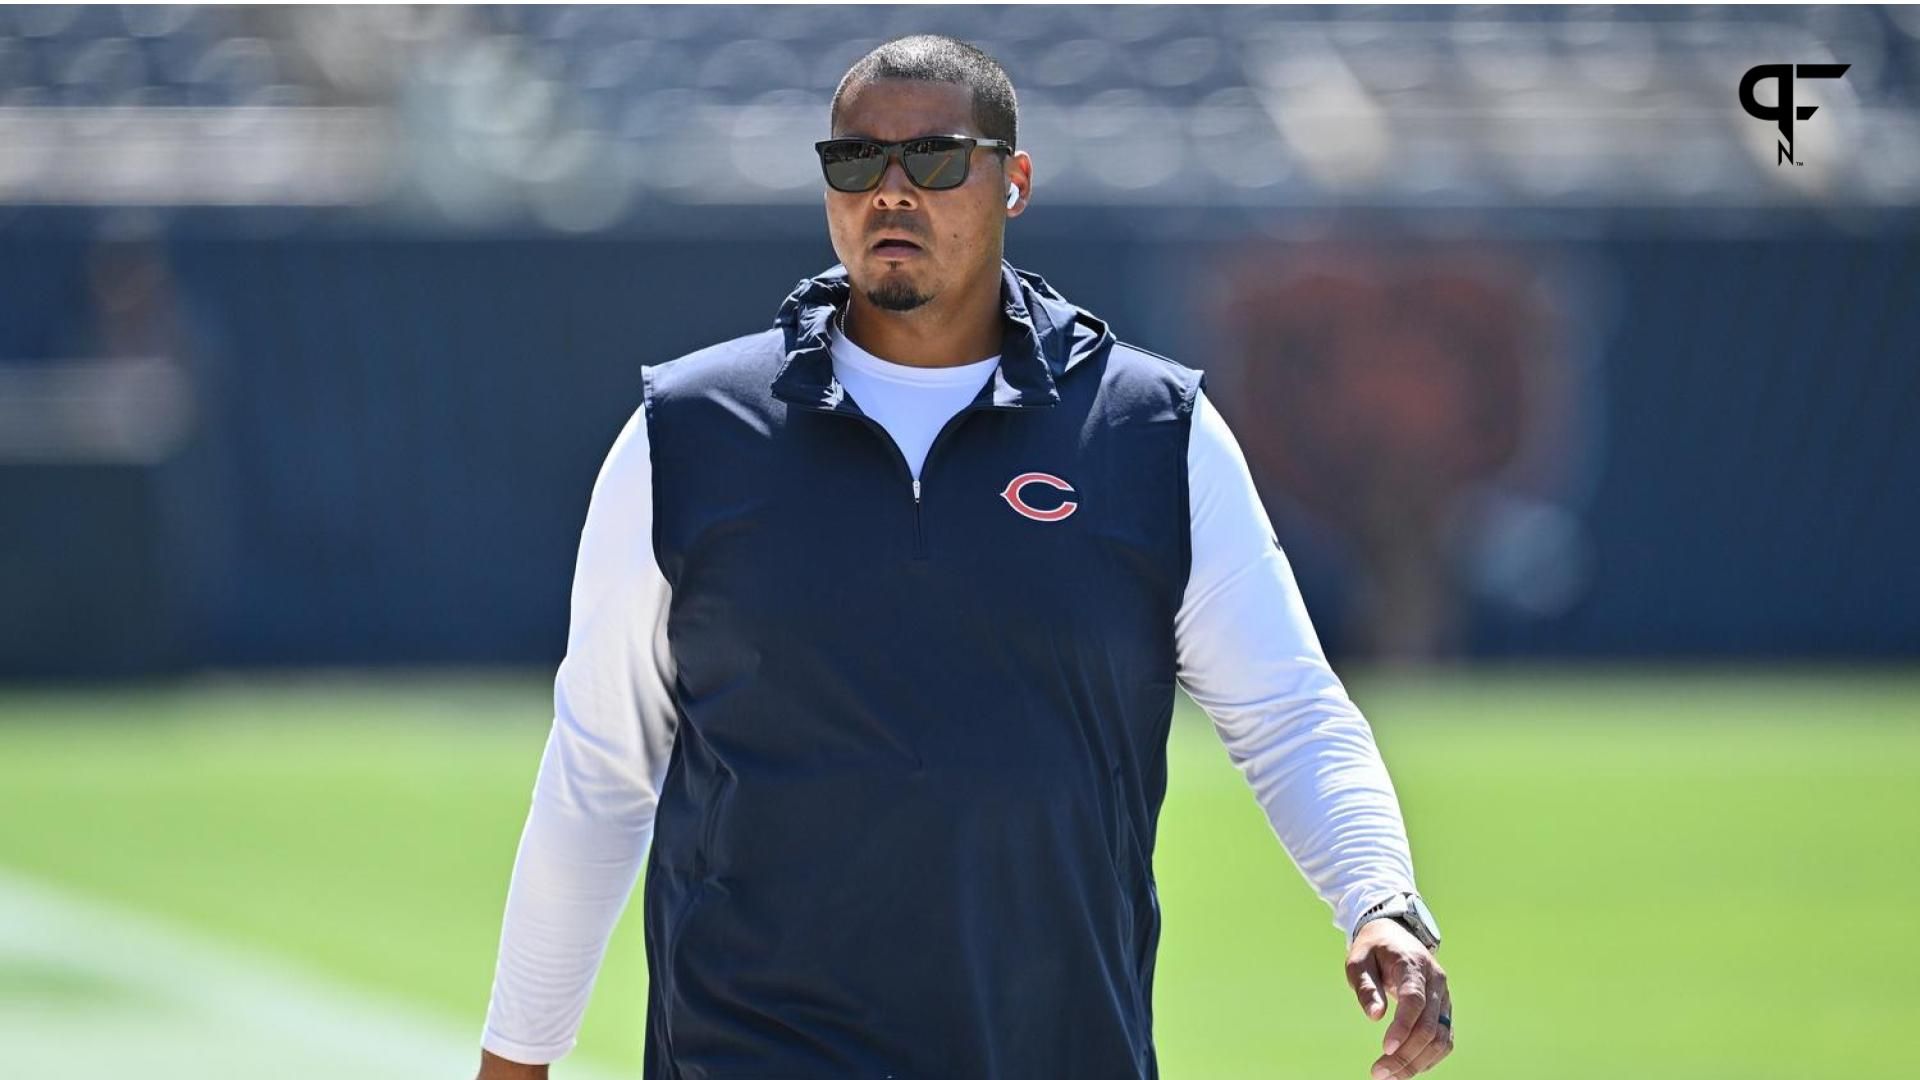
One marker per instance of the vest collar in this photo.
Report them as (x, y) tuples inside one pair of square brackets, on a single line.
[(1044, 336)]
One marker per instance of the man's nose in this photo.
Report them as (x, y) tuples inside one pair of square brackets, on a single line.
[(894, 189)]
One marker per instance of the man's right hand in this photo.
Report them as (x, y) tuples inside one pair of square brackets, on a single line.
[(495, 1067)]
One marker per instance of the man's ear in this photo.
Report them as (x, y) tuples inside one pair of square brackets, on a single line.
[(1018, 171)]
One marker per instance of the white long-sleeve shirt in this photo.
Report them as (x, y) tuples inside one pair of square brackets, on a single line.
[(1247, 654)]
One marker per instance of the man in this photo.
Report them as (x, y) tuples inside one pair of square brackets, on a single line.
[(877, 622)]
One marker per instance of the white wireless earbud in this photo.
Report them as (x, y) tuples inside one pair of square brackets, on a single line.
[(1013, 195)]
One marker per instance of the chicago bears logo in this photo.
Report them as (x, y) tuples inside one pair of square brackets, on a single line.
[(1012, 495)]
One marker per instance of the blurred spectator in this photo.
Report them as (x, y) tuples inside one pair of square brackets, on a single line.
[(1379, 390)]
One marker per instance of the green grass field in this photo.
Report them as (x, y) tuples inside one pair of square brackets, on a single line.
[(1639, 874)]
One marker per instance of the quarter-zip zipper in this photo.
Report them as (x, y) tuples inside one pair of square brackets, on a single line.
[(953, 422), (919, 536), (900, 458)]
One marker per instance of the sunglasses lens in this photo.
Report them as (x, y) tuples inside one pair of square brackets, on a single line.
[(935, 163), (851, 165)]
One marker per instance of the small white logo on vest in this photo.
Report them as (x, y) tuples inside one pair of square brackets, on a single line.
[(1012, 495)]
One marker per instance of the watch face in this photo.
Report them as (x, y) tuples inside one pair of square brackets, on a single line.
[(1425, 915)]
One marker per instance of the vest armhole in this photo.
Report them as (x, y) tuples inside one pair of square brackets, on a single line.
[(1190, 394), (1189, 403), (647, 399)]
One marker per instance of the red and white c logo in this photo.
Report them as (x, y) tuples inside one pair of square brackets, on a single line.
[(1012, 495)]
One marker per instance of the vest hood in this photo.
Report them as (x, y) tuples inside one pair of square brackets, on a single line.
[(1046, 336)]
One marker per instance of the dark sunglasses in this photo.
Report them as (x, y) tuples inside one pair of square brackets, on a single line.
[(936, 162)]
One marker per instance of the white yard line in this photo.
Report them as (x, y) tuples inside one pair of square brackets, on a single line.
[(161, 1003)]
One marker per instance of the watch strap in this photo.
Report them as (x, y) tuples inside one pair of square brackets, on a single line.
[(1400, 908)]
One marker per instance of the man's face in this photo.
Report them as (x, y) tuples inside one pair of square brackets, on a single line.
[(959, 230)]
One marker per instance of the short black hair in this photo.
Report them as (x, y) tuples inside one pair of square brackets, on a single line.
[(939, 58)]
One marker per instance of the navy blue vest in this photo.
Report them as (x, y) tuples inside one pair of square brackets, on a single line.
[(907, 827)]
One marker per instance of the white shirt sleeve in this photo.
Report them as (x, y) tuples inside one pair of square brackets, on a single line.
[(1249, 657), (591, 820)]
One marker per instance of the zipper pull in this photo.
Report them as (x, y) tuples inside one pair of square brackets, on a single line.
[(916, 489)]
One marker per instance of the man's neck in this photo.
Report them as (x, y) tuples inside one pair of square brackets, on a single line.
[(927, 336)]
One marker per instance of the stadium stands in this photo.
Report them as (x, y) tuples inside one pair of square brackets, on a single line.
[(1162, 104)]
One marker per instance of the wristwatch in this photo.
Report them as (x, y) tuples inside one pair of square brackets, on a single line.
[(1407, 909)]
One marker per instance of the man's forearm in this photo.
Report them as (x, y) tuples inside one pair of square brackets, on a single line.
[(495, 1067)]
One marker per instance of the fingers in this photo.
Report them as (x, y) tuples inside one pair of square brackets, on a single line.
[(1442, 1043), (1406, 1059), (1363, 975), (1408, 985), (1415, 1041)]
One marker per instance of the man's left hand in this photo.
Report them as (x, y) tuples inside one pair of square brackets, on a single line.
[(1386, 959)]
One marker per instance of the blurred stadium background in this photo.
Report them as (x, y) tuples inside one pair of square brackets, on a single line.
[(1589, 427)]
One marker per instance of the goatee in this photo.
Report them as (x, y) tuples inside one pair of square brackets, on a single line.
[(896, 295)]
